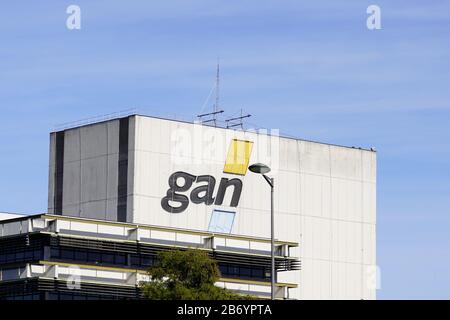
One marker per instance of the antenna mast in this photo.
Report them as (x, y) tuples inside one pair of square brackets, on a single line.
[(216, 109), (237, 122)]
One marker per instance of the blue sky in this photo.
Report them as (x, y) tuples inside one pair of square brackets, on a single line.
[(310, 68)]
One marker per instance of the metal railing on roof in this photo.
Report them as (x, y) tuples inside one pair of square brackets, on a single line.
[(96, 119)]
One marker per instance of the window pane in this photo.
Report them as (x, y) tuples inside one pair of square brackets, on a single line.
[(81, 255), (20, 255), (10, 274), (67, 254), (146, 261), (107, 258), (37, 254), (135, 261), (258, 273), (234, 271), (54, 252), (245, 272), (121, 258), (223, 269), (94, 256)]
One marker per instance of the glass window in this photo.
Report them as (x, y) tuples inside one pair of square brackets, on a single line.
[(11, 257), (258, 273), (28, 254), (37, 254), (67, 254), (81, 255), (234, 271), (245, 272), (146, 260), (10, 274), (121, 258), (65, 296), (52, 296), (221, 221), (54, 252), (79, 297), (223, 269), (135, 261), (20, 255), (107, 258), (93, 256)]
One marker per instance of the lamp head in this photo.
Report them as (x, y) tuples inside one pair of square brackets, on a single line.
[(259, 168)]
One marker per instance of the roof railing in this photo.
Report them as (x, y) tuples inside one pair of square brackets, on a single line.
[(96, 119)]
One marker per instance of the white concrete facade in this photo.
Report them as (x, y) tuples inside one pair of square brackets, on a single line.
[(7, 216), (325, 195)]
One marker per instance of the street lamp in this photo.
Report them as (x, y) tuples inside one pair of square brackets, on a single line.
[(261, 168)]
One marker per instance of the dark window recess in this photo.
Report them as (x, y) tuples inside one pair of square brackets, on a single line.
[(223, 269), (147, 261), (89, 256), (81, 255), (108, 258), (142, 260), (94, 257), (135, 260), (67, 254), (122, 188), (243, 272), (258, 273), (121, 258), (20, 255), (59, 173), (55, 252)]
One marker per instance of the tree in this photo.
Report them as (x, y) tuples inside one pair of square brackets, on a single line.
[(186, 275)]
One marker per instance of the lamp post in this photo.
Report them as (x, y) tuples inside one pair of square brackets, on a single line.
[(263, 169)]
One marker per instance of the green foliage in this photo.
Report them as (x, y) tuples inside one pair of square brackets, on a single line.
[(186, 275)]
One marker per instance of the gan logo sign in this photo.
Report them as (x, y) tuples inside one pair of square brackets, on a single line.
[(176, 201)]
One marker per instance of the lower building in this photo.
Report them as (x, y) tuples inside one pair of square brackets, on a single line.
[(55, 257)]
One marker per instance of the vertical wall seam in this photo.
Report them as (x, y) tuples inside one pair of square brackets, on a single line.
[(59, 173), (81, 174), (300, 210), (122, 185), (362, 227), (136, 136), (331, 224), (107, 170)]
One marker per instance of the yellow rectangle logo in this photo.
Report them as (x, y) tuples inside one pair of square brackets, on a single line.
[(238, 157)]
